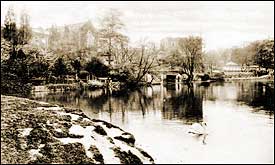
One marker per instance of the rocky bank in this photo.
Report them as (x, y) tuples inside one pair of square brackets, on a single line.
[(39, 132)]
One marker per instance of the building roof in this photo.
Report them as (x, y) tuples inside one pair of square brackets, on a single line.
[(231, 64)]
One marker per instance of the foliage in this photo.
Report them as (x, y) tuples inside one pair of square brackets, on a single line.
[(257, 52), (76, 65), (119, 75), (187, 56), (97, 68), (39, 68), (6, 49), (60, 68), (245, 55), (136, 63), (210, 61), (265, 54), (9, 30), (14, 77)]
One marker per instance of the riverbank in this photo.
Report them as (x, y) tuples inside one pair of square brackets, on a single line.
[(39, 132)]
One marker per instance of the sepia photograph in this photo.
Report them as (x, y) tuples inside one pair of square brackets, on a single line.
[(137, 82)]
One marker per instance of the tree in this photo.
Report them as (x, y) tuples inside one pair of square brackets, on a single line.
[(60, 68), (54, 38), (144, 62), (137, 62), (188, 56), (210, 60), (6, 49), (76, 66), (25, 32), (19, 64), (38, 68), (238, 55), (265, 54), (245, 55), (110, 37), (97, 68), (14, 78), (10, 30)]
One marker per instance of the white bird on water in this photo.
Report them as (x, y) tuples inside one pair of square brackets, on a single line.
[(198, 128)]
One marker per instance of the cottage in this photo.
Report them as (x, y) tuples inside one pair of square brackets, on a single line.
[(232, 67)]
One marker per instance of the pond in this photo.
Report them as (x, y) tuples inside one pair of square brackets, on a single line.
[(239, 117)]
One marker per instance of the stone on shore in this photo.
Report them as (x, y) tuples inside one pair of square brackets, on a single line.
[(38, 132)]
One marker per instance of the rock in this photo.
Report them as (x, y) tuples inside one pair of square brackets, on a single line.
[(75, 136), (60, 134), (96, 154), (72, 153), (32, 136), (126, 157), (98, 129), (108, 125), (38, 135), (111, 140), (145, 154), (66, 117), (127, 138)]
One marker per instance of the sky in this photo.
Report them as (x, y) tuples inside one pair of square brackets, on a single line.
[(221, 24)]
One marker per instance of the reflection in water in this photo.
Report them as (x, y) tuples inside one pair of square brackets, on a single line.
[(160, 116), (175, 101), (185, 105), (258, 94)]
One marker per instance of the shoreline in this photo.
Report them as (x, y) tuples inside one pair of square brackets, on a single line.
[(40, 132)]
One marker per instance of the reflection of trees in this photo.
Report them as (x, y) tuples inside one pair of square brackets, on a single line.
[(136, 101), (63, 97), (186, 106), (122, 101), (97, 102), (145, 102), (177, 102), (211, 90), (257, 94)]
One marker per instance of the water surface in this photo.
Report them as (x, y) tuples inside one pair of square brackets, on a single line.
[(239, 117)]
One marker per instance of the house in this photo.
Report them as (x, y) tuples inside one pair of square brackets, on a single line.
[(79, 35), (232, 67)]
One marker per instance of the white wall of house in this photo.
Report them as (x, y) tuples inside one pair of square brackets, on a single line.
[(232, 67)]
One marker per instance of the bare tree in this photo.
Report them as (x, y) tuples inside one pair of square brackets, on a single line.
[(111, 39), (187, 56), (141, 61)]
